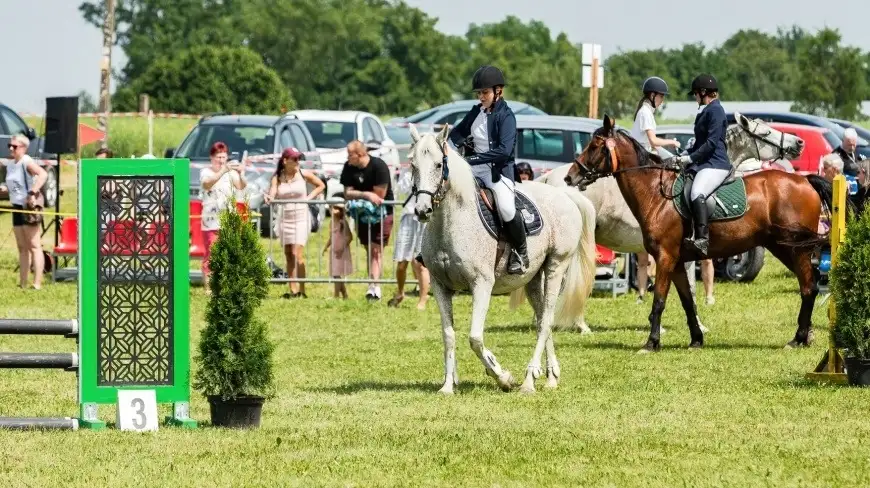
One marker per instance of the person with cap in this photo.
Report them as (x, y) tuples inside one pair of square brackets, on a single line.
[(290, 183), (708, 158), (491, 128), (654, 90)]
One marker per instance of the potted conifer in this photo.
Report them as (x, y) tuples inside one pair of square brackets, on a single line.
[(850, 290), (235, 354)]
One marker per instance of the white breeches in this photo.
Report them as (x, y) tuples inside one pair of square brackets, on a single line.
[(706, 181), (503, 191)]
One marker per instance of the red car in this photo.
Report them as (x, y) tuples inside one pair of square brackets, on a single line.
[(818, 143)]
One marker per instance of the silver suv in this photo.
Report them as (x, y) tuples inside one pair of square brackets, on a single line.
[(546, 142)]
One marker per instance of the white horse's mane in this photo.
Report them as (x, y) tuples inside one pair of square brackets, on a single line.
[(460, 179)]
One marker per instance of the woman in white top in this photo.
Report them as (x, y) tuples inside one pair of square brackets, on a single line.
[(218, 183), (24, 179), (644, 131)]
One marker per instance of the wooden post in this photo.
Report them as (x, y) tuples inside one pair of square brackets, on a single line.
[(106, 71), (830, 368), (593, 94), (144, 103)]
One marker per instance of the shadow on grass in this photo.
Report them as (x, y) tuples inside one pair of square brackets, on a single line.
[(684, 346), (386, 386)]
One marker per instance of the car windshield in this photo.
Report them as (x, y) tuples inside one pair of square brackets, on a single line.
[(529, 110), (422, 115), (832, 139), (239, 138), (331, 135)]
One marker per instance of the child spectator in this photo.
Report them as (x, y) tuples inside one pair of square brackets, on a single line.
[(340, 237)]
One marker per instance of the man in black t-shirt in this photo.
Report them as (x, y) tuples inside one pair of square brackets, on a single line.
[(366, 177)]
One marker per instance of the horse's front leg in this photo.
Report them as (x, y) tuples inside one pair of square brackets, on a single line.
[(444, 298), (683, 286), (480, 298), (664, 267), (552, 279)]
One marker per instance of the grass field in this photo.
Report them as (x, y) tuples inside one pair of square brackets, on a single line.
[(356, 402)]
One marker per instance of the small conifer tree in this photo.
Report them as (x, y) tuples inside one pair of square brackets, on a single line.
[(850, 290)]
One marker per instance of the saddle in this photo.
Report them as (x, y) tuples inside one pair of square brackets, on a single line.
[(525, 207), (727, 202)]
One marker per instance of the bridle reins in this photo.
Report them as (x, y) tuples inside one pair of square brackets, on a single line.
[(755, 138), (441, 190)]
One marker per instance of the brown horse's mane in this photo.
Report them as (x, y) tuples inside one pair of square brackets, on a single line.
[(644, 157)]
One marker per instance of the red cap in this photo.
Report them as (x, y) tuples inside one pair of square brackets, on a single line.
[(291, 152)]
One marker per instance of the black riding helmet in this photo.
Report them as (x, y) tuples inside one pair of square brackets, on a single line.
[(487, 77), (654, 84), (704, 82)]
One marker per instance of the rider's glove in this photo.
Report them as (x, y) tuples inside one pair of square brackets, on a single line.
[(683, 160)]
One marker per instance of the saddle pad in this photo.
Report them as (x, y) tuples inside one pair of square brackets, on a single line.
[(730, 200), (526, 208)]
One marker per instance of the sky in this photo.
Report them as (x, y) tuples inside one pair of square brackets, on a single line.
[(61, 52)]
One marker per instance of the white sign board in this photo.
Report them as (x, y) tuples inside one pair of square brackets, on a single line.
[(591, 51), (137, 410), (587, 77)]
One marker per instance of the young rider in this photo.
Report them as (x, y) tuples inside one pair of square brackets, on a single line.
[(644, 129)]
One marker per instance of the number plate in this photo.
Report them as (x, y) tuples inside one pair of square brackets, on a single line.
[(137, 410)]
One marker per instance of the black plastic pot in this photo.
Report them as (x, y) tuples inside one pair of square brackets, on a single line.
[(240, 413), (858, 371)]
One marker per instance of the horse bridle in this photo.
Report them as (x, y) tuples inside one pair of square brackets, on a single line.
[(441, 189), (755, 138)]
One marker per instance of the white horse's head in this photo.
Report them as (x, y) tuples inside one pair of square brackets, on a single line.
[(764, 142), (429, 170)]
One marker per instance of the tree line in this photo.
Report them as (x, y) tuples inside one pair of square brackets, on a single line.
[(386, 57)]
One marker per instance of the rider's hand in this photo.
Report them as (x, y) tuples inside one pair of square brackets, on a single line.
[(675, 143), (684, 160)]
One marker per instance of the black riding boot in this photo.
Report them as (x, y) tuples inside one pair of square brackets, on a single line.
[(702, 230), (518, 260)]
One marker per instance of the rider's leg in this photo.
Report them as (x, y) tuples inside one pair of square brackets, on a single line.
[(706, 181), (518, 259)]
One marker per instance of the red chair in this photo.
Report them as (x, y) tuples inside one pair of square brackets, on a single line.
[(67, 248), (604, 256), (121, 240), (197, 241), (156, 239), (607, 272)]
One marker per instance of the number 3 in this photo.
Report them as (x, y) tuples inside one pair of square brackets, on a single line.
[(140, 412)]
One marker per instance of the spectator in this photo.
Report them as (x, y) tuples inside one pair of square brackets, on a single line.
[(218, 183), (104, 153), (289, 183), (340, 238), (524, 172), (366, 177), (832, 165), (860, 197), (847, 154), (409, 242), (24, 179)]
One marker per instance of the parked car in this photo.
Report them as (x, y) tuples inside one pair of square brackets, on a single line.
[(818, 143), (12, 124), (549, 141), (332, 130), (255, 134), (681, 132), (805, 119), (453, 112)]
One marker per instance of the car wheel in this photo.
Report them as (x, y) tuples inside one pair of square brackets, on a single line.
[(743, 268)]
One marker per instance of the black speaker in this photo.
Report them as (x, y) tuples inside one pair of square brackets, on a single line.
[(62, 125)]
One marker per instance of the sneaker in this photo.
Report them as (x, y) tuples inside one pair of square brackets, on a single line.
[(710, 300), (372, 294)]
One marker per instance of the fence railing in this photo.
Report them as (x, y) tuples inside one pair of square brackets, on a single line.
[(285, 218)]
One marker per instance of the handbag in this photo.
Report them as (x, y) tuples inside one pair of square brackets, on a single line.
[(37, 206)]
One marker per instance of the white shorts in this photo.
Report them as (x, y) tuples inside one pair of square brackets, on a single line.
[(409, 240)]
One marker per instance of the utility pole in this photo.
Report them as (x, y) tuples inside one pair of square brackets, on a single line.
[(593, 75), (106, 71)]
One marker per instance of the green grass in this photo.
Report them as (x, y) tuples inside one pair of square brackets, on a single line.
[(357, 406)]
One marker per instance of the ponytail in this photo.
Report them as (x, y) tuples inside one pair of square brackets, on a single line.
[(646, 98)]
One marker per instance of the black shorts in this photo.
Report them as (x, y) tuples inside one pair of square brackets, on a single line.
[(379, 232), (18, 218)]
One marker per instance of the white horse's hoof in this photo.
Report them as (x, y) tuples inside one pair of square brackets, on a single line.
[(505, 381), (527, 390), (446, 390), (552, 383)]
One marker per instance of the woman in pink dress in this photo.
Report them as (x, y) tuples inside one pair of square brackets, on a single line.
[(289, 183)]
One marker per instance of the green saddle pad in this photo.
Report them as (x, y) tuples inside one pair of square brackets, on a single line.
[(729, 201)]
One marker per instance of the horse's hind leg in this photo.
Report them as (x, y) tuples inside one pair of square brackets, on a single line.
[(681, 283), (480, 298), (799, 262), (551, 274), (535, 292), (444, 298)]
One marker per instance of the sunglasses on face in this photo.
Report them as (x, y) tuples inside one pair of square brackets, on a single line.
[(13, 146)]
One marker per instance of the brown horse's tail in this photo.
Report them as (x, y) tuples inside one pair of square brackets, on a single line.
[(802, 237)]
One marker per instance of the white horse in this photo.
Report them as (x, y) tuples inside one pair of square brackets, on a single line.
[(461, 255), (616, 227)]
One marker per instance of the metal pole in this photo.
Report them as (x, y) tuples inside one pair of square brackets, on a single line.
[(106, 71), (39, 360), (39, 327), (26, 423)]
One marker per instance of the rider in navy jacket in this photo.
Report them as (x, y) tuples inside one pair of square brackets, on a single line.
[(501, 124), (489, 133), (708, 159)]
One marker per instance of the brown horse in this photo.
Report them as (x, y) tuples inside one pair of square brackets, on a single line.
[(782, 215)]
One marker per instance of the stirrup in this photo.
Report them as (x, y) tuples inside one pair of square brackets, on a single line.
[(513, 258)]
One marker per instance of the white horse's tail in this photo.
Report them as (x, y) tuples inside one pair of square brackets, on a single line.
[(580, 276)]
